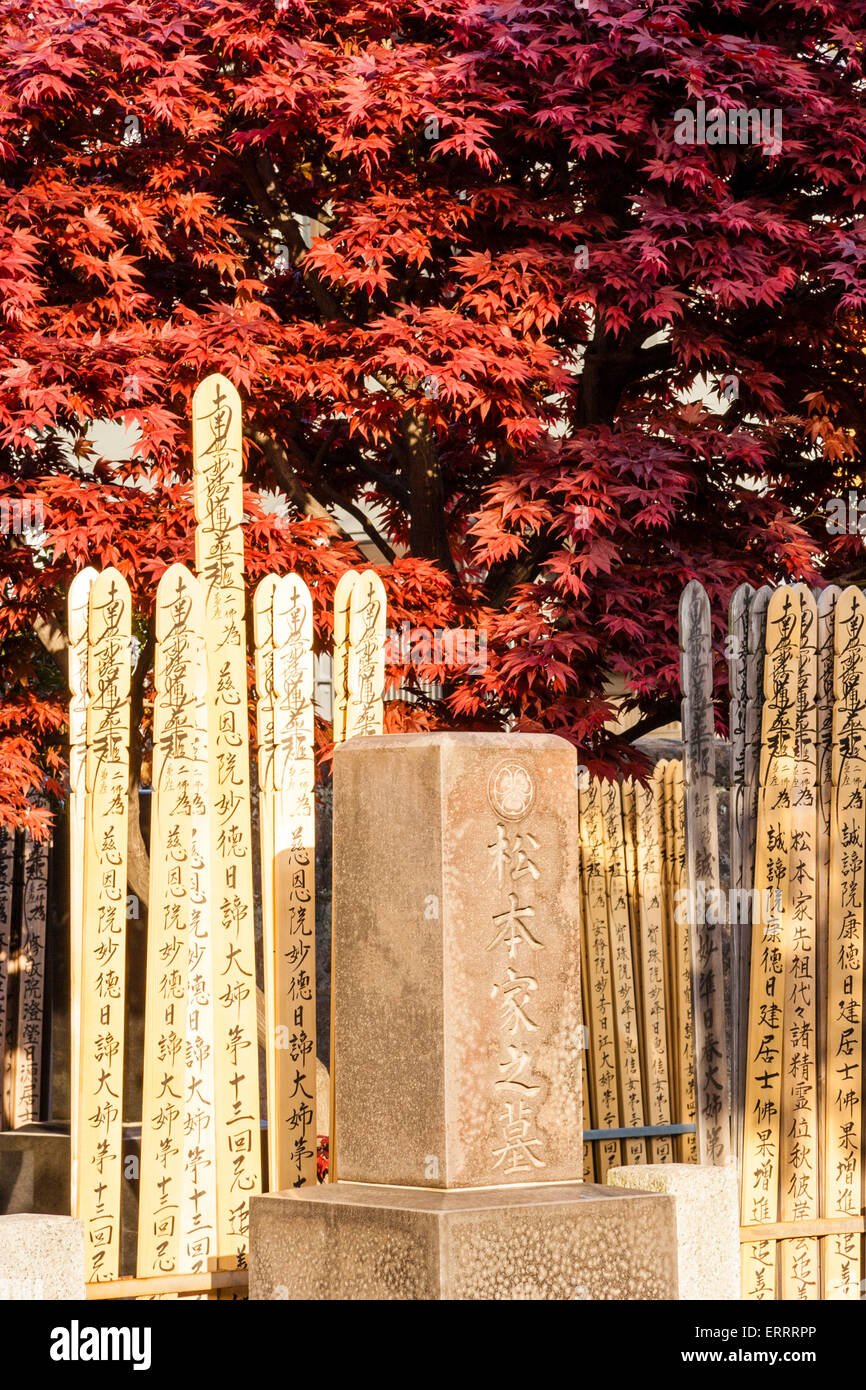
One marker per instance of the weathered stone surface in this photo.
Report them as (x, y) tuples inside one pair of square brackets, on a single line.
[(458, 1024), (41, 1257), (707, 1216), (551, 1242), (34, 1177)]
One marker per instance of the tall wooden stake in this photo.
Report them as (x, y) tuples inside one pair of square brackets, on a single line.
[(7, 869), (843, 1122), (367, 619), (263, 634), (601, 1010), (654, 1010), (294, 963), (103, 960), (180, 794), (31, 983), (78, 601), (799, 1118), (702, 848), (737, 651), (761, 1137), (622, 968), (218, 495)]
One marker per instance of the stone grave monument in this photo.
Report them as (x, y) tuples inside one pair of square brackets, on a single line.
[(458, 1046)]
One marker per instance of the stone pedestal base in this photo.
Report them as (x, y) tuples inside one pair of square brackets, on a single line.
[(34, 1177), (708, 1222), (41, 1258), (554, 1241)]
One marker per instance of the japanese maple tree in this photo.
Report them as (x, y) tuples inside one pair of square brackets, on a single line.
[(474, 293)]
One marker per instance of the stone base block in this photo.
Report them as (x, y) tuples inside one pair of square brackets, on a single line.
[(708, 1222), (41, 1257), (558, 1241), (34, 1177)]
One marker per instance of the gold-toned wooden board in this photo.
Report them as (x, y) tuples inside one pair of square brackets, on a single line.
[(652, 975), (367, 623), (712, 1070), (198, 1199), (843, 1125), (7, 869), (622, 971), (31, 983), (757, 633), (179, 792), (687, 1098), (600, 992), (103, 958), (826, 603), (218, 495), (363, 682), (799, 1273), (294, 962), (263, 634), (629, 841), (737, 653), (342, 599), (588, 1062), (668, 929), (762, 1129), (78, 600)]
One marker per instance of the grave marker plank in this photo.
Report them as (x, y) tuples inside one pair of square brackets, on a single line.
[(263, 636), (601, 1012), (198, 1190), (218, 498), (179, 792), (30, 959), (294, 962), (761, 1136), (622, 972), (342, 603), (688, 1095), (799, 1117), (7, 869), (826, 600), (78, 600), (103, 958), (367, 618), (653, 982), (738, 670), (757, 634), (843, 1133), (702, 849)]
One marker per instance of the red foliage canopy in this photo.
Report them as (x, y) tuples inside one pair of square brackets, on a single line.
[(459, 266)]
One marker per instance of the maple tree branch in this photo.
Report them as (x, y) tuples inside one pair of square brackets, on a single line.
[(278, 457), (54, 640), (428, 532), (262, 182), (665, 711)]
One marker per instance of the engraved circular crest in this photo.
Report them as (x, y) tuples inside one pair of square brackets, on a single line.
[(510, 790)]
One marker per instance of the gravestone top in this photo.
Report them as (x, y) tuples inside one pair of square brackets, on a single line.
[(458, 1033)]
